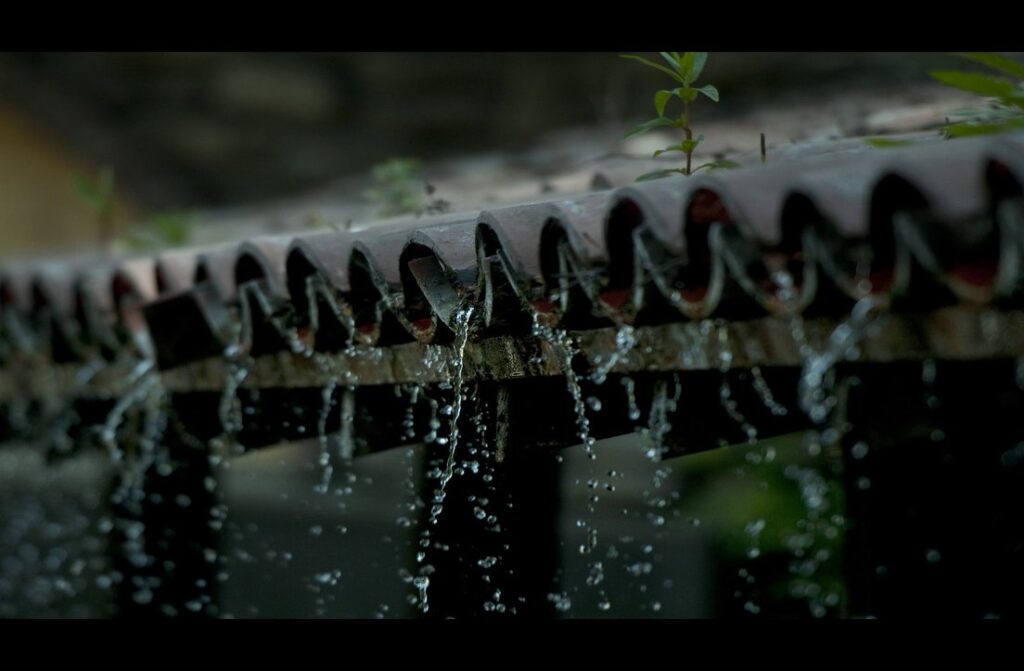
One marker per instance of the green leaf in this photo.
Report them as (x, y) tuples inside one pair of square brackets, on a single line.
[(650, 125), (687, 146), (700, 59), (688, 94), (671, 59), (658, 174), (1001, 63), (710, 91), (661, 99), (974, 82), (656, 66), (722, 164), (666, 150), (686, 68), (887, 143)]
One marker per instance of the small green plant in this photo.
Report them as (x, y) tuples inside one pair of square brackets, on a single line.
[(1004, 91), (684, 69), (163, 230), (98, 194), (397, 188)]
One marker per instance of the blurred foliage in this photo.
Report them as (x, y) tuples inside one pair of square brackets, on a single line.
[(397, 188), (400, 189), (1003, 91), (769, 503), (162, 231), (98, 194)]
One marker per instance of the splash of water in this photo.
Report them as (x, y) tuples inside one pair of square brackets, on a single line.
[(818, 376), (625, 342), (652, 437), (817, 398)]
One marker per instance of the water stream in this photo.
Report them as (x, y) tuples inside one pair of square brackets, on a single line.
[(565, 349), (452, 412)]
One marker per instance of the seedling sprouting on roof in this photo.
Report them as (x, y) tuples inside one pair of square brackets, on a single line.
[(163, 230), (684, 68), (399, 189)]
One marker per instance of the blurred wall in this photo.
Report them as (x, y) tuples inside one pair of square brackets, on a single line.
[(188, 130), (38, 206)]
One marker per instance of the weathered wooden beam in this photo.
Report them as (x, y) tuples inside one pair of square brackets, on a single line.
[(957, 333)]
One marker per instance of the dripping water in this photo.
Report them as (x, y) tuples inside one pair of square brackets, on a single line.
[(625, 342), (730, 405), (764, 392), (652, 441), (453, 412), (565, 349), (630, 388), (237, 365), (817, 398), (817, 378), (462, 318)]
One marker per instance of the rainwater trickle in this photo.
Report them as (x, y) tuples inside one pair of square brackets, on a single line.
[(451, 412), (725, 391), (764, 392), (565, 350), (818, 376), (625, 342)]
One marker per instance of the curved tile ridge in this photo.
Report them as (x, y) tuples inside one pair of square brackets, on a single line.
[(316, 274), (919, 227)]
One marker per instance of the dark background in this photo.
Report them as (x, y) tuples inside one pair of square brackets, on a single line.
[(188, 130)]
